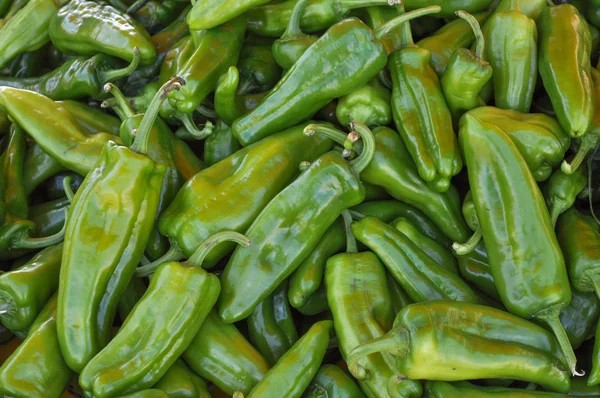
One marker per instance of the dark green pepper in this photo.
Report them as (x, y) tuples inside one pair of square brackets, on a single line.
[(370, 105), (54, 186), (87, 28), (27, 64), (561, 190), (440, 389), (258, 70), (525, 257), (271, 326), (331, 381), (228, 104), (293, 43), (181, 382), (399, 297), (49, 217), (475, 269), (220, 144), (207, 14), (580, 317), (131, 295)]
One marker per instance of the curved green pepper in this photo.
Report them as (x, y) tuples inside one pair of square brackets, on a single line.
[(49, 217), (271, 326), (564, 62), (313, 201), (377, 16), (25, 291), (228, 104), (181, 382), (220, 144), (475, 269), (54, 187), (87, 28), (131, 295), (370, 105), (257, 66), (293, 43), (197, 211), (27, 64), (331, 381), (511, 38), (207, 14), (449, 7), (525, 258), (466, 74), (561, 190), (581, 317), (186, 160), (316, 303), (296, 368), (160, 327), (222, 355), (451, 340), (440, 389)]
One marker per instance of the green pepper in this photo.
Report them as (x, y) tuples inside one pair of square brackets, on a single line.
[(561, 190), (87, 28), (54, 129), (565, 45), (220, 144), (449, 38), (525, 257), (166, 38), (27, 64), (440, 389), (389, 210), (221, 354), (181, 382), (331, 381), (375, 193), (25, 291), (207, 14), (197, 211), (155, 14), (449, 7), (150, 393), (308, 277), (78, 78), (511, 50), (27, 30), (316, 302), (215, 51), (293, 42), (131, 295), (271, 326), (257, 66), (313, 201), (273, 19), (54, 186), (399, 297), (186, 160), (451, 340), (358, 295), (377, 16), (49, 217), (89, 289), (349, 48), (90, 119), (369, 104), (475, 269), (466, 74), (580, 317), (228, 105), (165, 324), (432, 248), (579, 388), (421, 114), (36, 368), (539, 138), (296, 368)]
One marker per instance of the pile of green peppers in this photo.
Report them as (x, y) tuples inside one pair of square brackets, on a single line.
[(299, 198)]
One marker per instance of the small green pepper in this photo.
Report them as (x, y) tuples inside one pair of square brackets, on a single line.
[(561, 190), (370, 105), (258, 68), (181, 382), (293, 43), (131, 295), (228, 104), (49, 217), (220, 144), (207, 14), (331, 381), (580, 317)]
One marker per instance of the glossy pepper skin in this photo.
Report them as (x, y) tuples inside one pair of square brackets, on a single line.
[(296, 219), (332, 381), (440, 389), (49, 217), (466, 74), (54, 129), (525, 257), (228, 104), (181, 382), (87, 28), (379, 15), (538, 137), (561, 190), (133, 293), (215, 51), (36, 368), (420, 276), (452, 327), (271, 326), (296, 368), (393, 169), (220, 144), (308, 277), (186, 161), (77, 78), (581, 317), (475, 269), (90, 119), (266, 167), (25, 291), (369, 105), (358, 295), (293, 43), (511, 38), (449, 38), (566, 73), (207, 14), (449, 7), (27, 30), (272, 19), (258, 70), (221, 354)]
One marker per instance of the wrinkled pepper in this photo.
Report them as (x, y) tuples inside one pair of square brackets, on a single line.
[(49, 217), (370, 105)]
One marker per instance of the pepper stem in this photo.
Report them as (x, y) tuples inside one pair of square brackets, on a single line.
[(66, 183), (119, 100), (350, 239), (109, 75), (226, 236), (136, 6), (142, 137), (465, 248), (173, 254), (406, 33), (368, 151), (24, 241), (206, 111), (551, 317), (191, 130), (557, 207), (293, 28), (356, 215), (479, 39), (588, 142), (395, 342)]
